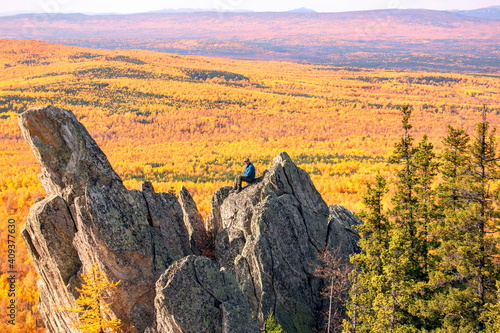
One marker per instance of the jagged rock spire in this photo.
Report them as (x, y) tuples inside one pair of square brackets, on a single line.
[(198, 236), (273, 231), (69, 157), (90, 217)]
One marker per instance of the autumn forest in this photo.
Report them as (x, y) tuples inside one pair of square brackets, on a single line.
[(191, 120)]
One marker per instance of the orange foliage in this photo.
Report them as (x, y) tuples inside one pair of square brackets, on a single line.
[(177, 120)]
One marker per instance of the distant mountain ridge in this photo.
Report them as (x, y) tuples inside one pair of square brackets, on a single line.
[(393, 38), (298, 23), (228, 24), (492, 12), (196, 10), (486, 12)]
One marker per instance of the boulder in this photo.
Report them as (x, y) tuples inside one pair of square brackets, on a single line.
[(195, 295)]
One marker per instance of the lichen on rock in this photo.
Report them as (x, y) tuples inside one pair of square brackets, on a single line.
[(195, 295)]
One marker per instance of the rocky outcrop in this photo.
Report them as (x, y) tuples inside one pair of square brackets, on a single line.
[(267, 238), (166, 216), (273, 231), (90, 217), (341, 230), (214, 220), (49, 234)]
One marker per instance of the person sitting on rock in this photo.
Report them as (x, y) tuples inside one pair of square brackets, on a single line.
[(248, 176)]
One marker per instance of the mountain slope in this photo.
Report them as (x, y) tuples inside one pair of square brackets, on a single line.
[(348, 116), (410, 23)]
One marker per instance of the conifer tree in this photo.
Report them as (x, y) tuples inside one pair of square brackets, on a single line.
[(405, 199), (450, 304), (93, 303), (482, 218), (426, 168), (389, 259), (463, 283), (271, 326), (392, 269), (455, 162), (368, 281), (425, 213), (411, 214), (431, 265)]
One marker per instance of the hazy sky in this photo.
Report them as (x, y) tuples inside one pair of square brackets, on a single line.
[(128, 6)]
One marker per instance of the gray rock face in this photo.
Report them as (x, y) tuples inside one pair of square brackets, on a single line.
[(195, 295), (267, 241), (214, 220), (69, 158), (198, 236), (271, 234), (341, 232), (167, 218), (90, 217), (49, 235)]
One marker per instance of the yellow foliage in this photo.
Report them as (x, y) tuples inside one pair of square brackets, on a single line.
[(93, 304), (178, 120)]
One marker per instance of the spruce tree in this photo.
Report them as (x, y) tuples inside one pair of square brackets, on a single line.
[(405, 200), (426, 169), (368, 280), (271, 326), (412, 213), (426, 212), (392, 269), (451, 304), (482, 217), (431, 263), (375, 229), (464, 281)]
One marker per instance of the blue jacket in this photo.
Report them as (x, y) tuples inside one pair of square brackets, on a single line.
[(249, 171)]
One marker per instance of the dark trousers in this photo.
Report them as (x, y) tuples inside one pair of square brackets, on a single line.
[(239, 179)]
